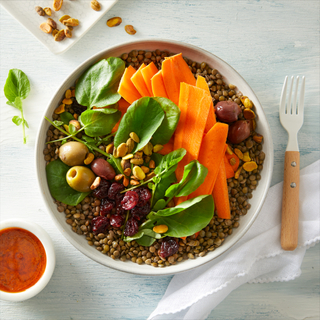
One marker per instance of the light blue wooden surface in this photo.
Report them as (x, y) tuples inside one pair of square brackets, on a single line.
[(263, 41)]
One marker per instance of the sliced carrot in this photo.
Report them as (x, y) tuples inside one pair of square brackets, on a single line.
[(220, 194), (211, 155), (127, 90), (174, 71), (233, 161), (123, 107), (167, 148), (195, 103), (202, 83), (229, 169), (139, 83), (157, 84), (147, 73)]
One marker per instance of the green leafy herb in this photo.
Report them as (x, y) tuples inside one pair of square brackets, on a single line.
[(16, 89), (66, 117), (97, 123), (169, 123), (143, 117), (60, 190), (193, 176), (170, 160), (98, 85)]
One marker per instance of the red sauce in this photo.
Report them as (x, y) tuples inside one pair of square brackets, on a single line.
[(22, 259)]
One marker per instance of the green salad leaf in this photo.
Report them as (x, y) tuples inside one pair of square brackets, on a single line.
[(66, 117), (143, 117), (60, 190), (99, 84)]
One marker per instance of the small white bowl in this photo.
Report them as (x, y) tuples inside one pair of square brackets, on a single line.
[(46, 241), (195, 54)]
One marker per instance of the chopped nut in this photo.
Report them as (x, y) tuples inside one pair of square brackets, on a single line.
[(76, 124), (152, 164), (113, 22), (122, 150), (55, 31), (134, 137), (73, 93), (60, 109), (257, 138), (246, 102), (64, 17), (95, 183), (71, 22), (109, 148), (52, 23), (118, 177), (39, 11), (59, 36), (68, 32), (248, 114), (232, 161), (138, 173), (145, 169), (69, 28), (229, 150), (157, 147), (237, 173), (147, 149), (127, 172), (48, 11), (125, 181), (125, 164), (67, 101), (89, 158), (45, 27), (68, 94), (238, 153), (130, 29), (130, 144), (134, 182), (150, 175), (250, 166), (95, 5), (136, 161), (66, 127), (57, 4), (128, 156), (246, 157), (253, 125), (162, 228)]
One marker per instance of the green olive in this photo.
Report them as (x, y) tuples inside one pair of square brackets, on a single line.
[(80, 178), (73, 153)]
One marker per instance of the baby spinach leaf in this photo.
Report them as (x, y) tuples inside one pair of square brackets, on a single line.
[(169, 123), (170, 159), (143, 117), (66, 117), (58, 186), (141, 232), (97, 123), (159, 205), (145, 241), (99, 84), (180, 207), (194, 175), (189, 221)]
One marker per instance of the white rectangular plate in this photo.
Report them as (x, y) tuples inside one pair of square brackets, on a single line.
[(24, 12)]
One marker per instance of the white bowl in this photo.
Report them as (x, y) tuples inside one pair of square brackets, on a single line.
[(259, 195), (46, 241)]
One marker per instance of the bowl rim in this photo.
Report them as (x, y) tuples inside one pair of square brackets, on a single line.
[(122, 266), (47, 243)]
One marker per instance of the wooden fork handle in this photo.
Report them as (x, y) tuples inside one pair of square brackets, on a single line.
[(290, 201)]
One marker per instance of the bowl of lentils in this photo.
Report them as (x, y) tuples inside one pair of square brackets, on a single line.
[(154, 157)]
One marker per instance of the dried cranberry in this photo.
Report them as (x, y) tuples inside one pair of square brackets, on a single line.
[(144, 196), (119, 209), (115, 189), (117, 220), (119, 197), (102, 191), (131, 228), (100, 224), (169, 246), (139, 213), (130, 200), (106, 206)]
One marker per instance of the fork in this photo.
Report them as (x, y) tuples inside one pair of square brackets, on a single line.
[(291, 118)]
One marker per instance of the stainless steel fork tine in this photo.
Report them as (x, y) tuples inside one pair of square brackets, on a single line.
[(301, 100), (289, 97), (283, 95), (294, 102)]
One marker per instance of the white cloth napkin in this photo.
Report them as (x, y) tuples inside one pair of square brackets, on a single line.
[(257, 257)]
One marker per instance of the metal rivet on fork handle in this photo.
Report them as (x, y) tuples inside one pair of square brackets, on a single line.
[(292, 185), (293, 164)]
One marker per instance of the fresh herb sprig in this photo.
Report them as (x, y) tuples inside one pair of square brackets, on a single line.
[(16, 89)]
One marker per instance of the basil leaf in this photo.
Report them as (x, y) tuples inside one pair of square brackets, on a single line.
[(66, 117), (143, 117), (17, 120), (169, 123), (98, 123), (189, 221), (194, 175), (170, 159), (60, 190), (180, 207), (98, 85), (17, 85)]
